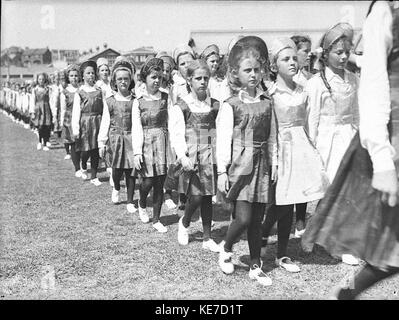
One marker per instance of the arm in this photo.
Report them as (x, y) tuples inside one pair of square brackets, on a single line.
[(177, 129), (224, 136), (104, 127), (272, 141), (76, 115), (355, 106), (32, 102), (62, 107), (137, 129), (314, 105)]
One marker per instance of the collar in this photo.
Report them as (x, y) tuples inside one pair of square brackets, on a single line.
[(178, 79), (119, 97), (190, 99), (244, 96), (276, 87), (71, 88), (330, 75), (147, 96)]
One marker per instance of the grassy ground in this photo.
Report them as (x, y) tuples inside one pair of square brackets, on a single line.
[(61, 238)]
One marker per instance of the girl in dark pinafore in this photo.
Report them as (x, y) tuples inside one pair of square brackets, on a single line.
[(86, 119), (66, 101), (245, 140), (192, 131), (360, 212), (115, 137), (150, 139), (40, 110)]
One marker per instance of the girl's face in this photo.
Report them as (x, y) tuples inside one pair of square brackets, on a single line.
[(199, 81), (167, 70), (89, 76), (123, 80), (24, 90), (184, 61), (303, 54), (40, 80), (338, 55), (287, 63), (103, 72), (213, 63), (249, 73), (73, 77), (153, 81)]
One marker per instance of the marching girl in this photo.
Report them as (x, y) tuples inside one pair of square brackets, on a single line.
[(25, 100), (212, 58), (66, 101), (87, 110), (192, 130), (150, 140), (359, 213), (301, 176), (245, 139), (304, 48), (55, 101), (333, 105), (40, 110), (182, 55), (115, 136)]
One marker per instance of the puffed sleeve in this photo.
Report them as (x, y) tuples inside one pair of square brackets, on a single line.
[(75, 121), (62, 107), (272, 141), (104, 127), (224, 136), (314, 94), (177, 129), (137, 129)]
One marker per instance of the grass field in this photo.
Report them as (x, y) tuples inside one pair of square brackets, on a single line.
[(62, 238)]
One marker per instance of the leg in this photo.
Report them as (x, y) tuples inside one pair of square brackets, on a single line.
[(270, 220), (300, 214), (67, 147), (40, 130), (84, 156), (145, 188), (157, 198), (284, 224), (116, 176), (46, 134), (95, 158), (130, 184), (192, 205), (75, 155), (367, 277), (206, 216), (254, 234)]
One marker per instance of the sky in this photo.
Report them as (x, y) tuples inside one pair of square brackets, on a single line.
[(125, 25)]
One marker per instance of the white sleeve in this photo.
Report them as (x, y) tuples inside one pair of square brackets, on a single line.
[(32, 102), (374, 92), (62, 107), (272, 141), (104, 127), (314, 104), (76, 115), (224, 136), (177, 131), (137, 129)]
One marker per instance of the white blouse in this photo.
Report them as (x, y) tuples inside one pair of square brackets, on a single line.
[(71, 89), (374, 92), (225, 127)]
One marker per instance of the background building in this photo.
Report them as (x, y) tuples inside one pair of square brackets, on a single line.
[(36, 57), (108, 53), (139, 55)]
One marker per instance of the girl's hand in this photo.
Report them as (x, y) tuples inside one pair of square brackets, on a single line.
[(101, 152), (186, 164), (223, 183), (274, 174), (138, 159), (387, 183)]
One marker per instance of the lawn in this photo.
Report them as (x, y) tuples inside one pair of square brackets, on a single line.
[(62, 238)]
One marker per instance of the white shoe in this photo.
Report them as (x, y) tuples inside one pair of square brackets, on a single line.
[(287, 264), (143, 215), (210, 245), (299, 233), (115, 196), (182, 233), (96, 182), (67, 157), (258, 275), (48, 144), (84, 175), (45, 148), (225, 260), (131, 208), (78, 174), (160, 227), (170, 204), (350, 259), (39, 146)]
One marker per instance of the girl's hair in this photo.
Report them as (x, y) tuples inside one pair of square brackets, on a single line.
[(152, 64), (66, 73), (113, 80), (45, 76), (195, 65), (324, 59), (250, 52), (298, 40)]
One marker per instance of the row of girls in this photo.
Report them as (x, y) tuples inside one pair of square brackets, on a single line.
[(269, 136)]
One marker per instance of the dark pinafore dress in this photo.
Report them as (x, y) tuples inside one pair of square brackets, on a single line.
[(67, 124), (201, 150), (154, 120), (91, 110), (249, 172), (42, 112), (351, 218), (119, 145)]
